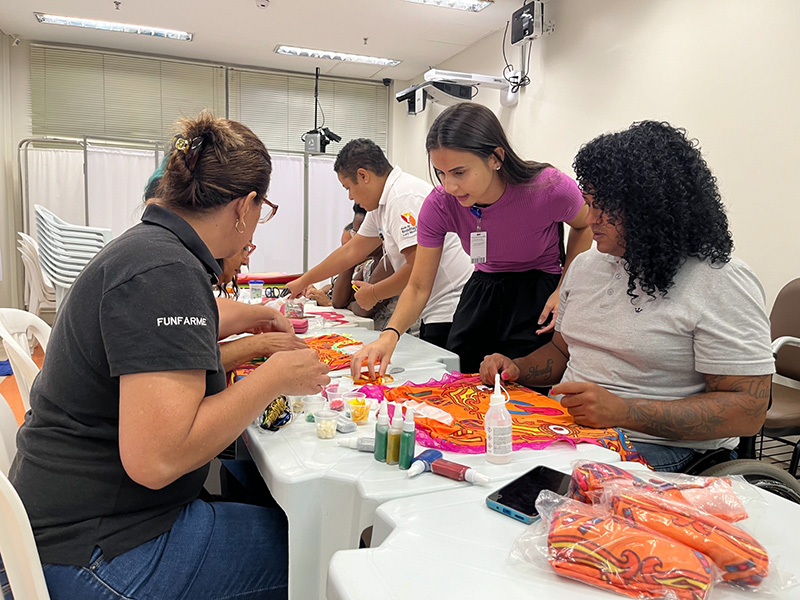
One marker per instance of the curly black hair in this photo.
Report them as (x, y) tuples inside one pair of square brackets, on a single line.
[(652, 180)]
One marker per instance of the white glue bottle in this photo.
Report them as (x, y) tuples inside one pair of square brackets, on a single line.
[(498, 426)]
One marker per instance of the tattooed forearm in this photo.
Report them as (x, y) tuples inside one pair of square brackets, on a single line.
[(538, 373), (732, 406)]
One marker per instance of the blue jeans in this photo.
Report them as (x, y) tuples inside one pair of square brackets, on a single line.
[(670, 458), (214, 551)]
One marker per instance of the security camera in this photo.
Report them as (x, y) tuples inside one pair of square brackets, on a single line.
[(16, 41), (262, 3)]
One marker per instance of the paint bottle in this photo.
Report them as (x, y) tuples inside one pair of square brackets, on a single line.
[(498, 427), (382, 431), (362, 444), (393, 437), (422, 462), (407, 440), (456, 471)]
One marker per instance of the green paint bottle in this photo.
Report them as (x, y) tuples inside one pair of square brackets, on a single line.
[(408, 440)]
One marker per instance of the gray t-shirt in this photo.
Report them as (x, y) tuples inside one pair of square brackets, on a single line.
[(712, 322)]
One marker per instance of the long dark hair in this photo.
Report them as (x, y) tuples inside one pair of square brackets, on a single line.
[(652, 181), (474, 128)]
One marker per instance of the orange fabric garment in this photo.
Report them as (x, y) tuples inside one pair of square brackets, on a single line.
[(607, 552), (713, 495), (537, 420), (741, 559)]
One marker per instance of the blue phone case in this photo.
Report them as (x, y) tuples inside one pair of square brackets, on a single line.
[(510, 512)]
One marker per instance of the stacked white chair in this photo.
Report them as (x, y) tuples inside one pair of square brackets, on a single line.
[(65, 249), (39, 291), (15, 326)]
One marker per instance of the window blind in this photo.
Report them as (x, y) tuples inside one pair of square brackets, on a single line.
[(279, 108), (85, 92), (78, 93)]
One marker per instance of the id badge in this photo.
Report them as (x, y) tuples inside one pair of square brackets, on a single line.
[(477, 247)]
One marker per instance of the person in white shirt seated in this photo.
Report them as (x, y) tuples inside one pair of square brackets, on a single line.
[(660, 332)]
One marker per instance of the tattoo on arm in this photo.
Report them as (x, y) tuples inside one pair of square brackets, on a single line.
[(536, 374), (730, 407)]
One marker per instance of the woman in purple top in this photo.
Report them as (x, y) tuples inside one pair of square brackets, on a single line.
[(509, 215)]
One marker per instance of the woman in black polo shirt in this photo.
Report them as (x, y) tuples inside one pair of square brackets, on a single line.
[(131, 403)]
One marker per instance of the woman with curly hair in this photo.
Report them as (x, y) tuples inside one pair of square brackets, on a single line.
[(660, 331)]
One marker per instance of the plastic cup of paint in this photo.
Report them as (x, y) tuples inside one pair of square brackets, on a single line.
[(326, 423), (358, 406), (296, 402), (313, 404), (256, 290)]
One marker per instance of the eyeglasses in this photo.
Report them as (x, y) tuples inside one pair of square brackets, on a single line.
[(249, 249), (268, 210)]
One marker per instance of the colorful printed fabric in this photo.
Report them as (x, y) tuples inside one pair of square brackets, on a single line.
[(743, 560), (327, 348), (537, 420), (607, 552), (713, 495)]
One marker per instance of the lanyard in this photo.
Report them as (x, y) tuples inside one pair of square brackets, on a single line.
[(478, 213)]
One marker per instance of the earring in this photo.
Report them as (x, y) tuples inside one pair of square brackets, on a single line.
[(498, 167), (236, 227)]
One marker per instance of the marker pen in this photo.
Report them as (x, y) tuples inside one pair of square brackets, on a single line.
[(458, 472), (422, 462)]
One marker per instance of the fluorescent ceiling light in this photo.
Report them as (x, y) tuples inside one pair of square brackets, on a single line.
[(370, 60), (470, 5), (111, 26)]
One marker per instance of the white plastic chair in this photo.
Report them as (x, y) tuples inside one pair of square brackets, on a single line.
[(40, 293), (18, 547), (66, 249), (8, 436), (14, 327)]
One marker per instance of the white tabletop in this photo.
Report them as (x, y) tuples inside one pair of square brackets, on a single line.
[(330, 493), (450, 545)]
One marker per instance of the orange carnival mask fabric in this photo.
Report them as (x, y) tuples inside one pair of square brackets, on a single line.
[(537, 420)]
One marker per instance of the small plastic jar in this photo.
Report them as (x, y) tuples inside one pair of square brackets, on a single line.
[(326, 423), (256, 290)]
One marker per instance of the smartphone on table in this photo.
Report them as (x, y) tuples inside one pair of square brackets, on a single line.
[(518, 498)]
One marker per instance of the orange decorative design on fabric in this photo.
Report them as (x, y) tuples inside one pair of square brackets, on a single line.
[(538, 421), (742, 559), (607, 552), (713, 495)]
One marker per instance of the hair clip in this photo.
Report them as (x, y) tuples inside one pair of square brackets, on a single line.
[(191, 149)]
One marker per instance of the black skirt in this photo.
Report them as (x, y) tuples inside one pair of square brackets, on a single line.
[(499, 312)]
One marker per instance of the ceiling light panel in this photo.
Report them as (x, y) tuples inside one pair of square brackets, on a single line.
[(468, 5), (112, 26), (332, 55)]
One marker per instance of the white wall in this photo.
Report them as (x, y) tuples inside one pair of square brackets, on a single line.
[(726, 70)]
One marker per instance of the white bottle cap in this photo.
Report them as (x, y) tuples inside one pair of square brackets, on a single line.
[(498, 396), (383, 413), (397, 419), (416, 468), (473, 476), (408, 423)]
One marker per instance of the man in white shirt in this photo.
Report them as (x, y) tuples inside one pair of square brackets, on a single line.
[(392, 200)]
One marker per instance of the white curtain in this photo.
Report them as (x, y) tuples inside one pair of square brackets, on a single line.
[(55, 180), (329, 209), (279, 243), (116, 178)]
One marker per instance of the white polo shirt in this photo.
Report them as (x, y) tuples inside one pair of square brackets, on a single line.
[(395, 222)]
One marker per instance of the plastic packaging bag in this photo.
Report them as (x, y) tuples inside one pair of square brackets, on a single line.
[(586, 543), (740, 558), (714, 495)]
